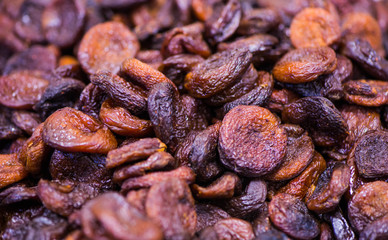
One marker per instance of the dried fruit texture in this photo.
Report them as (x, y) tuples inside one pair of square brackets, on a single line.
[(90, 100), (299, 186), (258, 96), (279, 99), (11, 170), (28, 25), (151, 57), (224, 187), (8, 130), (121, 92), (217, 73), (305, 65), (174, 116), (377, 229), (105, 46), (340, 225), (34, 152), (132, 152), (150, 179), (228, 228), (329, 85), (208, 215), (64, 198), (319, 117), (364, 26), (331, 185), (187, 39), (171, 205), (119, 3), (299, 154), (59, 94), (62, 21), (369, 93), (25, 120), (251, 143), (73, 131), (223, 23), (80, 167), (259, 20), (137, 198), (22, 89), (157, 161), (122, 122), (291, 215), (37, 58), (17, 194), (314, 27), (249, 202), (116, 219), (366, 57), (370, 153), (142, 73), (369, 203)]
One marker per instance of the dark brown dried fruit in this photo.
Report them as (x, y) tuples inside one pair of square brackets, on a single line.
[(228, 228), (368, 93), (171, 205), (11, 170), (105, 46), (62, 21), (258, 20), (369, 202), (122, 92), (71, 130), (21, 90), (208, 215), (331, 185), (8, 130), (299, 154), (340, 225), (90, 100), (116, 219), (122, 122), (217, 73), (17, 194), (305, 65), (225, 186), (370, 153), (377, 229), (27, 121), (28, 25), (131, 152), (279, 99), (157, 161), (319, 117), (291, 216), (314, 27), (251, 142)]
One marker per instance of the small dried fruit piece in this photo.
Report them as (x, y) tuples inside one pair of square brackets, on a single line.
[(131, 152), (299, 154), (90, 100), (16, 194), (116, 219), (258, 20), (217, 73), (122, 122), (224, 187), (71, 130), (314, 27), (369, 93), (291, 215), (28, 25), (157, 161), (251, 142), (228, 228), (319, 117), (22, 89), (369, 202), (11, 170), (340, 225), (208, 215), (370, 154), (170, 204), (105, 46), (331, 185), (27, 121), (305, 65)]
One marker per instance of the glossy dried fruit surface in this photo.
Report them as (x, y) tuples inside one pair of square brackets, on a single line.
[(106, 46), (228, 228), (71, 130), (22, 89), (291, 216), (314, 27), (251, 142), (369, 93), (223, 187), (11, 170), (305, 65), (171, 205)]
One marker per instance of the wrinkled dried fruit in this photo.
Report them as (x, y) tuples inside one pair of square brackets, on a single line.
[(228, 228), (11, 170), (377, 229), (208, 215), (368, 93), (224, 187), (27, 121), (251, 142)]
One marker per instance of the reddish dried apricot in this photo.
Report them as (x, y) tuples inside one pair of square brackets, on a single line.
[(369, 93), (11, 170), (251, 142)]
